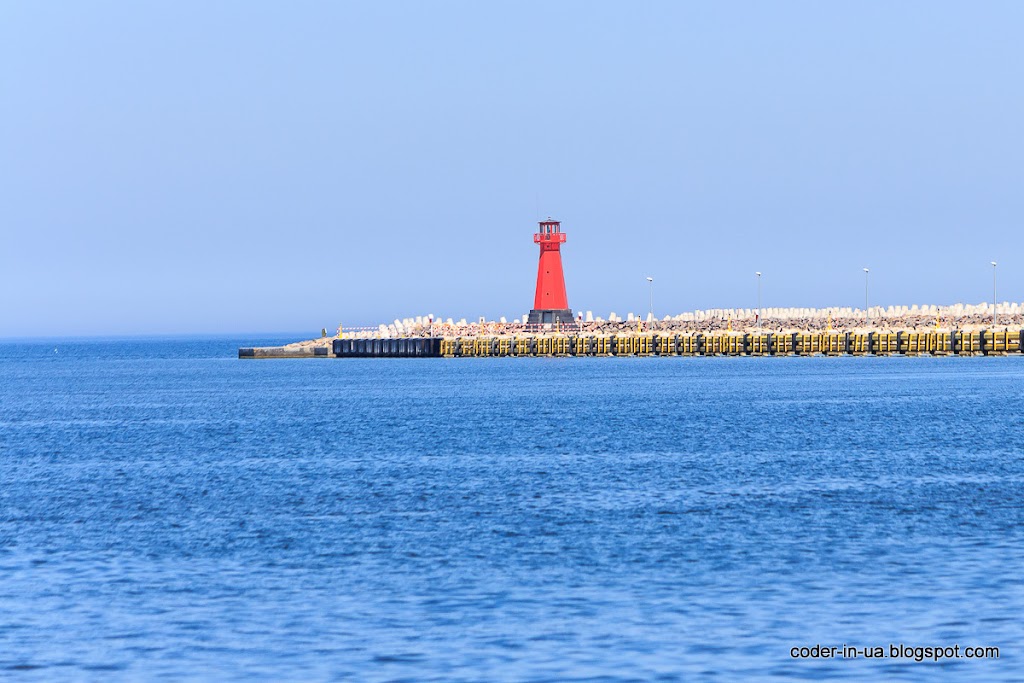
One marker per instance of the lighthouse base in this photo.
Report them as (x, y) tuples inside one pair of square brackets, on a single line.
[(550, 316)]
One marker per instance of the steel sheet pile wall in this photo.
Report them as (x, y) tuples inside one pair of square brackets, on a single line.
[(936, 343)]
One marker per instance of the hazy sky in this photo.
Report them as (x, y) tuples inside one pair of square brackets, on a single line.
[(232, 167)]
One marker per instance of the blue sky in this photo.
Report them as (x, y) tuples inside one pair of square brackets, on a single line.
[(230, 167)]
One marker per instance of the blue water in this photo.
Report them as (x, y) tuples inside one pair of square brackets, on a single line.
[(169, 511)]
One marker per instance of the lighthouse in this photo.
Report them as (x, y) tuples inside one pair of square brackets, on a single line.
[(549, 303)]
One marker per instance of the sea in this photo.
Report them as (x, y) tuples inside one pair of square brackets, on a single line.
[(168, 511)]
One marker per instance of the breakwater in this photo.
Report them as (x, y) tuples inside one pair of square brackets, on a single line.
[(918, 318), (936, 343), (284, 352)]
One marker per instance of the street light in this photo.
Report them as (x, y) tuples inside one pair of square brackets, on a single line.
[(993, 293), (867, 311), (758, 273), (651, 280)]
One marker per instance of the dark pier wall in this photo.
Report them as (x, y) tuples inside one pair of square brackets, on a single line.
[(413, 347)]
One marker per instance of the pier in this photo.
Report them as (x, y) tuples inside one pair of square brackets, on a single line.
[(937, 343), (284, 352)]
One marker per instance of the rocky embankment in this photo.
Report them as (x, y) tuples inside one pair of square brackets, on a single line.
[(966, 317)]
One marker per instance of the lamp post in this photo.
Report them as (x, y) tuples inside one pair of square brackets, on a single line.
[(993, 293), (651, 280), (758, 273), (867, 311)]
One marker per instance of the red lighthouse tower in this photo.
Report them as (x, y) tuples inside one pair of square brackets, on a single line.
[(550, 304)]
